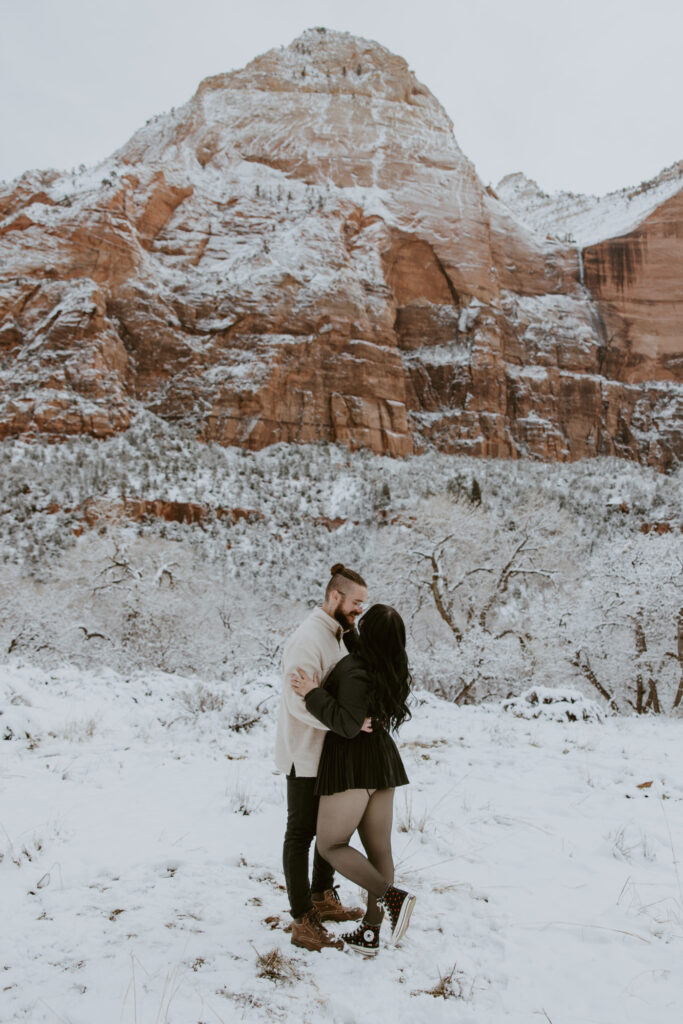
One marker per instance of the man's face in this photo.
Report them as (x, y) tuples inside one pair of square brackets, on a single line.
[(350, 604)]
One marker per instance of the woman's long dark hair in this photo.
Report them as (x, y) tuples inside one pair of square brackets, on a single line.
[(382, 646)]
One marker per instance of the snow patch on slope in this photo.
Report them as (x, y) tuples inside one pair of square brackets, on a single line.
[(587, 219)]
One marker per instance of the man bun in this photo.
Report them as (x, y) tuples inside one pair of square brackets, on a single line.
[(339, 573)]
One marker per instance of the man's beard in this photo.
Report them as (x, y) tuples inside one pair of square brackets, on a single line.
[(342, 620)]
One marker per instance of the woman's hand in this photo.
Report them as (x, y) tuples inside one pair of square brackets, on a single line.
[(302, 683)]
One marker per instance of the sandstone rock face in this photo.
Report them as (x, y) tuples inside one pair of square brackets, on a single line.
[(302, 252), (629, 245), (631, 278)]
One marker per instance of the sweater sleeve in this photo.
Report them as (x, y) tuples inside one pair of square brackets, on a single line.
[(346, 713), (302, 655)]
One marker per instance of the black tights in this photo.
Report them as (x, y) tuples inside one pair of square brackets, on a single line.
[(371, 812)]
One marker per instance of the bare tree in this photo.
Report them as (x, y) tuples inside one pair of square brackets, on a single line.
[(679, 658), (469, 580)]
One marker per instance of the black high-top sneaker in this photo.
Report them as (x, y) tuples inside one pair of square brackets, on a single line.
[(365, 939), (399, 906)]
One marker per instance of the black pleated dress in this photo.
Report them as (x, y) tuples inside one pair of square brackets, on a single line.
[(352, 759)]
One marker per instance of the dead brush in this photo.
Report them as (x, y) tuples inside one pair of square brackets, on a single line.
[(275, 966), (201, 699), (450, 985), (242, 800), (410, 820)]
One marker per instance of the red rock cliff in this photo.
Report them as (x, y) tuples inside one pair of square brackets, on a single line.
[(302, 252)]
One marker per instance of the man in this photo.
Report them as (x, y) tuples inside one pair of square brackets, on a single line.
[(316, 646)]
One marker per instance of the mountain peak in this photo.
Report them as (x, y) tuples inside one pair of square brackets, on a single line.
[(322, 60), (330, 105)]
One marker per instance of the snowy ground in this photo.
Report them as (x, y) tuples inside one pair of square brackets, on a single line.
[(140, 835)]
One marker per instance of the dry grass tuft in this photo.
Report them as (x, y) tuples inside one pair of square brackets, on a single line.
[(201, 698), (449, 986), (277, 967), (245, 999), (408, 819), (242, 800)]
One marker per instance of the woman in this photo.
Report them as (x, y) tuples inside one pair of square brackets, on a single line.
[(358, 771)]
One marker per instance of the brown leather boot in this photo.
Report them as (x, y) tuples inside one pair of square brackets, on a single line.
[(331, 908), (309, 933)]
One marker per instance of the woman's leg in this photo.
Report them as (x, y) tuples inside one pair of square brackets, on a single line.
[(375, 834), (339, 815)]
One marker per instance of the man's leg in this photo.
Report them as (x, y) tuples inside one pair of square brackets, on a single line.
[(302, 806), (302, 810)]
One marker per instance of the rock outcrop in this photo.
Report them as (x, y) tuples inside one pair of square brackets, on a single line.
[(637, 282), (630, 246), (302, 252)]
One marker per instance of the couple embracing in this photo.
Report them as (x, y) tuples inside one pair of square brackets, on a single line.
[(344, 691)]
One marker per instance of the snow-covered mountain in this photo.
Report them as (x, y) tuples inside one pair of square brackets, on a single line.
[(588, 219), (302, 252)]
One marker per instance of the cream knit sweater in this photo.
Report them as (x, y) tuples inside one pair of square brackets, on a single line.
[(315, 647)]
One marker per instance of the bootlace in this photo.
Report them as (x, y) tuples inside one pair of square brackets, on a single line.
[(314, 918)]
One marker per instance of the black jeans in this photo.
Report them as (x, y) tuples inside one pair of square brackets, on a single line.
[(302, 815)]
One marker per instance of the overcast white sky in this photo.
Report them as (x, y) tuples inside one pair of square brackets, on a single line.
[(582, 95)]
